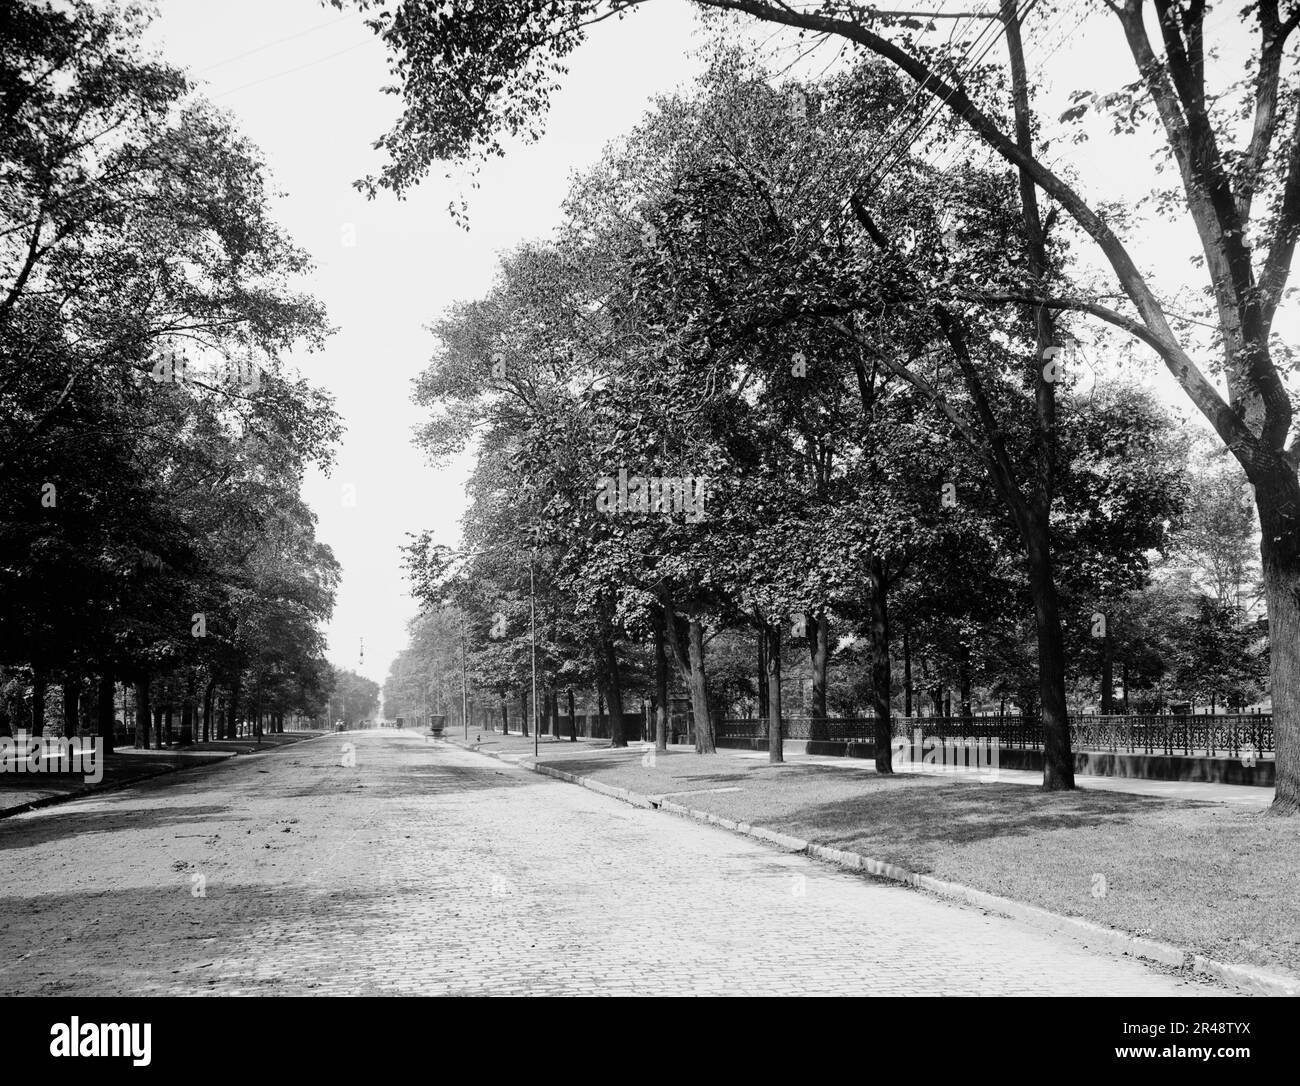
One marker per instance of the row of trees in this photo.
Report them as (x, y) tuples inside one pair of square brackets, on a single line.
[(153, 443), (353, 698), (1189, 637), (957, 293), (841, 520)]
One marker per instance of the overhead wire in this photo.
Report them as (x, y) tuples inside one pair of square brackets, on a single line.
[(914, 101), (963, 144), (277, 41), (290, 71), (889, 163)]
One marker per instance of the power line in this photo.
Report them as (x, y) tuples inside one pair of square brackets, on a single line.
[(899, 114), (260, 48), (957, 71), (950, 156), (940, 103), (290, 71)]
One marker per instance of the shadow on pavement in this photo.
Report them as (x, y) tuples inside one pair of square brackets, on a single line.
[(25, 833)]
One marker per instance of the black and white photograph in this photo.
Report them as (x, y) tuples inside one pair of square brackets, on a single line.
[(677, 498)]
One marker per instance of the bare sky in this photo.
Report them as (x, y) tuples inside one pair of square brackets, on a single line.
[(312, 104), (303, 81)]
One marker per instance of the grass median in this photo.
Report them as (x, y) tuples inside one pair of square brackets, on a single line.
[(1218, 880)]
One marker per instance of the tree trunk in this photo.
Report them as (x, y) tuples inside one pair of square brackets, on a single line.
[(906, 674), (523, 711), (819, 638), (158, 725), (232, 707), (1058, 761), (771, 635), (964, 681), (880, 677), (209, 692), (704, 738), (1107, 673), (105, 711), (39, 682), (505, 718), (187, 708), (1126, 688), (1278, 502), (142, 713), (614, 689), (72, 706), (690, 664), (661, 689), (573, 719), (762, 675)]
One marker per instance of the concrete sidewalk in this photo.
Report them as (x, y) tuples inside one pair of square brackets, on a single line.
[(1243, 795), (519, 748)]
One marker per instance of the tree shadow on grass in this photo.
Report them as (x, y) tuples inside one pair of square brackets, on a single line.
[(964, 813)]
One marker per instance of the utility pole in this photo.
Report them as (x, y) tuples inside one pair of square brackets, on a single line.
[(532, 618)]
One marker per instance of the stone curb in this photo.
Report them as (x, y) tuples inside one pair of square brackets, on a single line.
[(1248, 978)]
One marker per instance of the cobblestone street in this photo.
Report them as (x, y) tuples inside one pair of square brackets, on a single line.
[(424, 869)]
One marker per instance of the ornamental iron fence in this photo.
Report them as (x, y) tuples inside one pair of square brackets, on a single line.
[(1169, 734)]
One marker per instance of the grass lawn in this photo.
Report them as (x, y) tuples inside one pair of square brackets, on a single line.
[(1212, 878), (128, 765)]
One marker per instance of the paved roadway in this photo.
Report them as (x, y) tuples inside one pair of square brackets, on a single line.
[(424, 869)]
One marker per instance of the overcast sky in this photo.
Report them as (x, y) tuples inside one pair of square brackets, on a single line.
[(312, 104), (303, 81)]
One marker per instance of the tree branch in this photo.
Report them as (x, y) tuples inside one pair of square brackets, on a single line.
[(1134, 284)]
